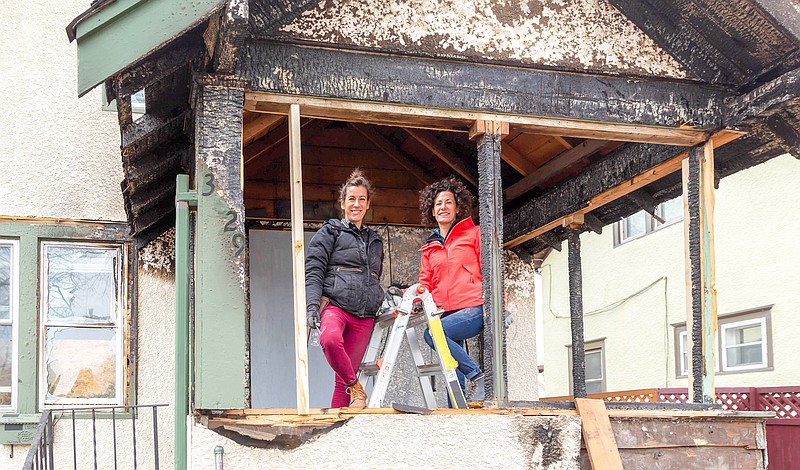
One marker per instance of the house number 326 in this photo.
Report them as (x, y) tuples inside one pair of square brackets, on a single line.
[(232, 217)]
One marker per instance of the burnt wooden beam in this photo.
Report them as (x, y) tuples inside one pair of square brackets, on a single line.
[(572, 195), (454, 161), (486, 88), (576, 310), (787, 134), (784, 13), (391, 150), (553, 167), (593, 222), (267, 14), (233, 32), (550, 239), (643, 200), (766, 99), (490, 202), (149, 132)]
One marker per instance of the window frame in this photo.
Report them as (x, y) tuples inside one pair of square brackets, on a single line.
[(14, 321), (589, 346), (748, 316), (121, 275), (650, 223), (723, 327)]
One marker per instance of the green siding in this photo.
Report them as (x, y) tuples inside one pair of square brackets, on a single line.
[(127, 30)]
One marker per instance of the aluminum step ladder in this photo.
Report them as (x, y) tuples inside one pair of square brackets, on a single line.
[(400, 321)]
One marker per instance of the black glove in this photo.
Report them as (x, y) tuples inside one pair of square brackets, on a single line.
[(312, 318)]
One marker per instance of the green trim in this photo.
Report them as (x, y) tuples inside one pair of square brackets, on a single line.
[(183, 200), (128, 30)]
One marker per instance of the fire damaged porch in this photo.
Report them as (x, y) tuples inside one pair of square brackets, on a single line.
[(259, 111)]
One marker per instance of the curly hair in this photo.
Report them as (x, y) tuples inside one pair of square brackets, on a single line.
[(356, 178), (464, 199)]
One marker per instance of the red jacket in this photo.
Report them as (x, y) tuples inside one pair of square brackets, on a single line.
[(452, 269)]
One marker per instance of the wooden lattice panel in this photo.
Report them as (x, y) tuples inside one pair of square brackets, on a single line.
[(785, 404), (645, 397), (733, 400)]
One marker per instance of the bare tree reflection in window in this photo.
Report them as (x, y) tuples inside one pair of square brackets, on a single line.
[(81, 285), (6, 346)]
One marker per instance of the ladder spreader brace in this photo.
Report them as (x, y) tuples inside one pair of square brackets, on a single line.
[(402, 319)]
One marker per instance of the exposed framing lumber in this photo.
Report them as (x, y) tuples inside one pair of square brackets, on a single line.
[(598, 434), (767, 98), (430, 142), (278, 135), (701, 318), (298, 262), (516, 160), (785, 133), (259, 126), (551, 240), (462, 120), (551, 168), (593, 222), (393, 152), (574, 196), (478, 87), (644, 201)]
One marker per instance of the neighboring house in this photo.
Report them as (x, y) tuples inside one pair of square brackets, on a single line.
[(541, 106), (634, 292)]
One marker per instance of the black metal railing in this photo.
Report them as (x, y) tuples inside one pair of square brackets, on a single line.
[(40, 455)]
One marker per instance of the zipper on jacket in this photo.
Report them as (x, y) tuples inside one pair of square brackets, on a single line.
[(355, 270)]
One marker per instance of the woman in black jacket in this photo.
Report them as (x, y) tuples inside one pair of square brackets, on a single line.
[(344, 262)]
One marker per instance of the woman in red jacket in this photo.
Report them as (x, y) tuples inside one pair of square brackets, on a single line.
[(451, 269)]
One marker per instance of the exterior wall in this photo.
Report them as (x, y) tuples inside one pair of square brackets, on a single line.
[(404, 441), (756, 260), (59, 155)]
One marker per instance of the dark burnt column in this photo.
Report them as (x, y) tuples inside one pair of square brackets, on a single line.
[(576, 307), (489, 135)]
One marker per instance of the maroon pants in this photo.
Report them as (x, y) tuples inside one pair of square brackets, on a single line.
[(344, 339)]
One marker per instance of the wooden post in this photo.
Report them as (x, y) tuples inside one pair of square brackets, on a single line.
[(576, 306), (298, 261), (490, 200), (701, 317)]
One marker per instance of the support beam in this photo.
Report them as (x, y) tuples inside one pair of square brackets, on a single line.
[(629, 168), (490, 193), (644, 201), (701, 320), (788, 135), (233, 32), (576, 310), (298, 261), (221, 268), (278, 136), (479, 88), (259, 126), (551, 168), (516, 160), (551, 240), (460, 120), (766, 99), (593, 222), (371, 134), (430, 142)]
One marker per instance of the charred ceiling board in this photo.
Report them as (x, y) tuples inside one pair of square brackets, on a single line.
[(785, 13), (570, 196), (165, 62), (288, 69), (266, 14), (729, 42)]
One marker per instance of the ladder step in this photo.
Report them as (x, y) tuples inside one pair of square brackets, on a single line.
[(429, 369)]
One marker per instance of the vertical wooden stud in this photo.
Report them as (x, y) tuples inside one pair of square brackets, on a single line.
[(298, 261)]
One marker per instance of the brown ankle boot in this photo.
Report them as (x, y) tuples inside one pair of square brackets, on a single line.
[(358, 398)]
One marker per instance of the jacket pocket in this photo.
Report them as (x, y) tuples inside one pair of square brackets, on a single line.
[(347, 285)]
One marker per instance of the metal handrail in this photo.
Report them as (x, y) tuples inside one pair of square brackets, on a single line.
[(40, 454)]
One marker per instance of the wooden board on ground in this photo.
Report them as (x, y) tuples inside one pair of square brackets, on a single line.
[(598, 435)]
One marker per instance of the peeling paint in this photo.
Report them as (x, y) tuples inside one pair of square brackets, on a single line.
[(581, 34)]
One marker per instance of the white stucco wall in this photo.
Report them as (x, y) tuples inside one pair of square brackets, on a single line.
[(757, 256), (59, 155)]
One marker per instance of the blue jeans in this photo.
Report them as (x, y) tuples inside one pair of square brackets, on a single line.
[(459, 326)]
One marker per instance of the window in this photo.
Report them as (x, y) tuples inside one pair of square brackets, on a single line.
[(81, 355), (744, 344), (743, 337), (8, 319), (595, 366), (137, 102), (642, 223)]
